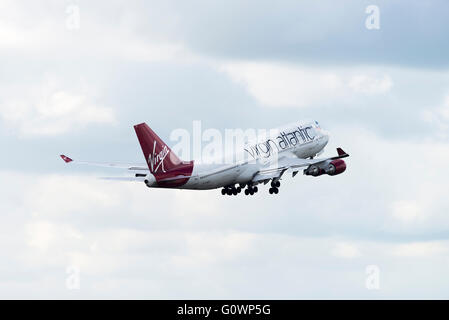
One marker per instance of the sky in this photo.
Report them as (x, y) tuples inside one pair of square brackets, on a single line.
[(76, 75)]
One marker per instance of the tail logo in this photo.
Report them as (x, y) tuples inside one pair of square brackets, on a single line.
[(156, 161)]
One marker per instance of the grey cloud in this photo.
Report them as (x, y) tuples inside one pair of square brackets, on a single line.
[(412, 33)]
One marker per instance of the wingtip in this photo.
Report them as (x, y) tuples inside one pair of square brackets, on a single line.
[(65, 158), (341, 152)]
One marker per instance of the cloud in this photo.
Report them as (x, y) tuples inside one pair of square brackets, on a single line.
[(439, 118), (278, 85), (345, 250), (406, 211), (420, 249), (46, 31), (324, 33), (370, 85), (47, 108)]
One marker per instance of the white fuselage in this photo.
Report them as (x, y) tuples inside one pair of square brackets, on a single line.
[(303, 140)]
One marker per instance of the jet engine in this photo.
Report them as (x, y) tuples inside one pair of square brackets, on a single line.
[(330, 167), (313, 170)]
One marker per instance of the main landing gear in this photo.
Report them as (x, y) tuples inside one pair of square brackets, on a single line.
[(251, 190), (231, 190), (274, 187)]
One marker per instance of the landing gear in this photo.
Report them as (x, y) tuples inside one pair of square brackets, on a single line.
[(231, 190), (274, 187), (235, 190), (251, 190), (273, 190)]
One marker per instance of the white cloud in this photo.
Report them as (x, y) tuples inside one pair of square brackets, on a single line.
[(280, 85), (439, 117), (406, 211), (345, 250), (48, 108), (41, 30), (420, 249), (370, 85), (43, 234)]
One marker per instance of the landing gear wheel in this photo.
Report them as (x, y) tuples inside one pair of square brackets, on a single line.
[(239, 189), (276, 190), (223, 191), (278, 184), (255, 189), (229, 192), (246, 192), (270, 190), (251, 192), (234, 192)]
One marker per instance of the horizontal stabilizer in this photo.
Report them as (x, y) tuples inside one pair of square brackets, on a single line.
[(128, 166), (65, 158), (174, 178), (136, 179)]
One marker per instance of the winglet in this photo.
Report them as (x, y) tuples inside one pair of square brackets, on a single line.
[(66, 159), (341, 153)]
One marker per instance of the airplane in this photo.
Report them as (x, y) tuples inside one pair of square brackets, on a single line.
[(293, 147)]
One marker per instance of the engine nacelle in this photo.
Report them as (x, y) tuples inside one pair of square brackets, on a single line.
[(336, 167), (314, 170), (330, 167)]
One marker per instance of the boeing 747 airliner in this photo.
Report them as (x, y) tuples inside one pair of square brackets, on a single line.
[(291, 149)]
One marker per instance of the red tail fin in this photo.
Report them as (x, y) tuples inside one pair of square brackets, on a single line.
[(158, 155)]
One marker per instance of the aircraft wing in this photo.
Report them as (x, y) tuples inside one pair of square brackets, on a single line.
[(128, 166), (267, 175), (292, 163)]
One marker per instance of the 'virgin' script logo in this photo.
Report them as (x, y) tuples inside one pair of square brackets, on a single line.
[(157, 160)]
